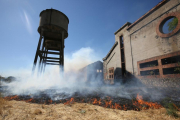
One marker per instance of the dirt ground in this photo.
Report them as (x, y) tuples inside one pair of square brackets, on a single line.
[(20, 110)]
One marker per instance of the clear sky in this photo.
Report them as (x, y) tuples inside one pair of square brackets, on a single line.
[(92, 24)]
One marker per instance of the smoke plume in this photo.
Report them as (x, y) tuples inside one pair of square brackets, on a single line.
[(53, 81)]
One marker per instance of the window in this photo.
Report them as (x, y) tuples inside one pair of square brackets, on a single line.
[(111, 73), (149, 64), (123, 66), (170, 60), (149, 72), (172, 70), (169, 25)]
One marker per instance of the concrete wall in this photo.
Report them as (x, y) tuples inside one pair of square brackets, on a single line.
[(127, 49), (112, 61), (145, 41), (142, 42)]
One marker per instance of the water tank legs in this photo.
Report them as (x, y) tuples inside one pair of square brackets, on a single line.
[(61, 56), (37, 51)]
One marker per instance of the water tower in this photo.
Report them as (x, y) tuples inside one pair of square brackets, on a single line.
[(53, 29)]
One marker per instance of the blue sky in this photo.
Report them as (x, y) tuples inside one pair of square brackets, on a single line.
[(92, 24)]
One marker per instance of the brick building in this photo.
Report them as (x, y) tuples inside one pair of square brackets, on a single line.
[(144, 48)]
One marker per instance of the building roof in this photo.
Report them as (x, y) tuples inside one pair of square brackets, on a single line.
[(128, 23), (91, 65), (148, 13), (115, 44)]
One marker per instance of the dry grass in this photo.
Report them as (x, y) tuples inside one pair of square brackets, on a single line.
[(37, 112), (3, 103), (21, 110)]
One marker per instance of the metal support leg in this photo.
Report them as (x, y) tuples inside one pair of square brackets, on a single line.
[(45, 59), (41, 56), (62, 52), (37, 51)]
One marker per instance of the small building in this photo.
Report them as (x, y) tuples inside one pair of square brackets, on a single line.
[(147, 48), (92, 72)]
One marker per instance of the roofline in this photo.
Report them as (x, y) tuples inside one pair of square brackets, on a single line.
[(115, 44), (90, 64), (148, 13), (127, 23)]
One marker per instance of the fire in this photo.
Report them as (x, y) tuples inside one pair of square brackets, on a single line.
[(50, 101), (29, 100), (117, 106), (12, 97), (69, 102), (145, 105), (95, 102), (139, 103), (108, 103)]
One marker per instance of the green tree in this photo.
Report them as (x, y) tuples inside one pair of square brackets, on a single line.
[(172, 25)]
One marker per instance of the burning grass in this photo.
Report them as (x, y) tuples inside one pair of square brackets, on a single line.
[(22, 110), (107, 102), (115, 103), (91, 107)]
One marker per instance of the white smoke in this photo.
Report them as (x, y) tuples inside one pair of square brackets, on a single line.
[(70, 82), (80, 59), (27, 83)]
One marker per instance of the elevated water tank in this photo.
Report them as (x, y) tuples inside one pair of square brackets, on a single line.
[(53, 30), (53, 22)]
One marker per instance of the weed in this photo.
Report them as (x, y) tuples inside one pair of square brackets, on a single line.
[(170, 108)]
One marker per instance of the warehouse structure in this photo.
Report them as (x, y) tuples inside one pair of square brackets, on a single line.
[(145, 49), (92, 73)]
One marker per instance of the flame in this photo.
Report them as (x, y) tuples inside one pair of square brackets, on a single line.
[(117, 106), (29, 100), (145, 105), (99, 102), (108, 104), (139, 104), (124, 106), (69, 102), (95, 101), (50, 101), (12, 97)]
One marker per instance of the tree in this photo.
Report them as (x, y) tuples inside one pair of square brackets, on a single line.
[(172, 25)]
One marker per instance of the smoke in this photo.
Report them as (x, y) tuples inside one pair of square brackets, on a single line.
[(26, 83), (80, 59), (54, 82)]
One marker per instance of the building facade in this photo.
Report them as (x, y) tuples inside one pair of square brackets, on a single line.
[(145, 49), (92, 73)]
